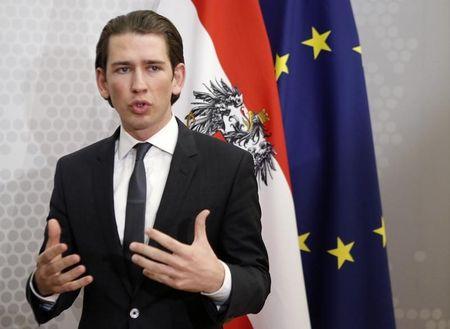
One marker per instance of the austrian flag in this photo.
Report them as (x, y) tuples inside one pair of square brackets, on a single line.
[(231, 93)]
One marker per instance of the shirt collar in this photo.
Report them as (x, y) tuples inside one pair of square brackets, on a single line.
[(165, 139)]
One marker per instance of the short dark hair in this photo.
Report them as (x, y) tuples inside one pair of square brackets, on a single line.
[(141, 22)]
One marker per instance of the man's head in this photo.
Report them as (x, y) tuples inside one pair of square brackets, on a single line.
[(141, 22), (140, 69)]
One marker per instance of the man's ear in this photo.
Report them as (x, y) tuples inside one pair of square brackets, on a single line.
[(179, 75), (102, 84)]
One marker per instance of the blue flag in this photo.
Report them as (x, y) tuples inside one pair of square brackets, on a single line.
[(341, 229)]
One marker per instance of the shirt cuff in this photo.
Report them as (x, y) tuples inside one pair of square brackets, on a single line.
[(221, 296), (47, 302)]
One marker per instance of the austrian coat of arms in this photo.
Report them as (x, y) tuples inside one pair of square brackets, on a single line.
[(221, 110)]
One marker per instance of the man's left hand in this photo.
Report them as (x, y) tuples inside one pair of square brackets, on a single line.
[(193, 268)]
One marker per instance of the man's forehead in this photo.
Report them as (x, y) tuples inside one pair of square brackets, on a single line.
[(131, 44)]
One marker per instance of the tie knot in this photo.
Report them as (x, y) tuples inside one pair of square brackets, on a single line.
[(141, 150)]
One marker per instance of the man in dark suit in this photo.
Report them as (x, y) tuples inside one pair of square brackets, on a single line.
[(152, 173)]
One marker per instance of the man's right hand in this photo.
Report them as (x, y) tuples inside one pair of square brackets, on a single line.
[(49, 277)]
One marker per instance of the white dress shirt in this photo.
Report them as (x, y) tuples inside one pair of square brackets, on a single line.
[(157, 164)]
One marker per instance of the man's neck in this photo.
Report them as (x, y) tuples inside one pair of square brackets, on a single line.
[(145, 134)]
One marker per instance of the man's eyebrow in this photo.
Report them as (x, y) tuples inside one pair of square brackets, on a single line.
[(148, 61), (120, 63), (154, 61)]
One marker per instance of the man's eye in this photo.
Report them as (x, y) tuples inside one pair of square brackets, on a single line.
[(123, 70), (154, 68)]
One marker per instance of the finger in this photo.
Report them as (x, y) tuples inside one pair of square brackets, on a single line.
[(153, 253), (76, 284), (53, 232), (61, 264), (200, 225), (166, 241), (49, 254), (70, 275), (154, 267)]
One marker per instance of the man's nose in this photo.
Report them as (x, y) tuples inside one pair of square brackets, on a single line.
[(138, 83)]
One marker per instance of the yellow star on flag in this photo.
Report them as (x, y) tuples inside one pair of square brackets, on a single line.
[(342, 252), (318, 42), (357, 49), (382, 231), (302, 242), (281, 65)]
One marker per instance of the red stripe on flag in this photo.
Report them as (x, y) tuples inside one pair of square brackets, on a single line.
[(239, 323), (240, 39)]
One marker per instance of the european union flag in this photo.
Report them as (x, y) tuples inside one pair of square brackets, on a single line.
[(326, 119)]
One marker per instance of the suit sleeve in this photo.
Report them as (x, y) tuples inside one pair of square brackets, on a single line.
[(58, 210), (243, 247)]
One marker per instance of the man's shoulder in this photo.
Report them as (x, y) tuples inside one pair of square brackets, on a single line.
[(215, 147), (91, 151)]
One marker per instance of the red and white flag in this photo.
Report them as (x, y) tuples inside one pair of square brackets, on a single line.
[(231, 93)]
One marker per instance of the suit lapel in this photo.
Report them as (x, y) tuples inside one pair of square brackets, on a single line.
[(104, 201), (182, 168)]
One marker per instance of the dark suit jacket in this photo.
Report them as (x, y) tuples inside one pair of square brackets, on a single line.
[(205, 173)]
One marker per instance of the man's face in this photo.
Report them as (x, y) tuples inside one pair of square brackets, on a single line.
[(140, 81)]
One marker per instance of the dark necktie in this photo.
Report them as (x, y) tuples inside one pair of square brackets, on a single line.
[(135, 210)]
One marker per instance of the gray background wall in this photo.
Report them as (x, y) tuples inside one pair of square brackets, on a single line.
[(49, 107), (406, 48)]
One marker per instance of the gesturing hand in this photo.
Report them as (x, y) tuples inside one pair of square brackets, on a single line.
[(193, 268), (48, 276)]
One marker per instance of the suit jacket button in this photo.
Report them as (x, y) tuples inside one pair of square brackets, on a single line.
[(134, 313)]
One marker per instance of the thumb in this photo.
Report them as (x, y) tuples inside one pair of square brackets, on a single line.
[(54, 233), (200, 226)]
